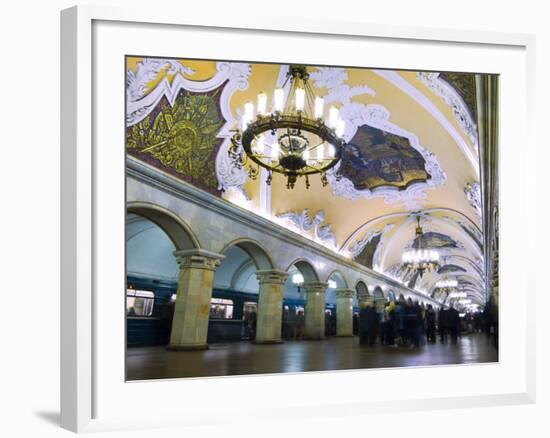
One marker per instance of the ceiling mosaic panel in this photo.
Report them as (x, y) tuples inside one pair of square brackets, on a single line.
[(375, 158), (445, 269), (180, 139), (431, 239), (366, 256)]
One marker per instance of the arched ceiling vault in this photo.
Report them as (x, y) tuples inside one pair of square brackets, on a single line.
[(412, 147)]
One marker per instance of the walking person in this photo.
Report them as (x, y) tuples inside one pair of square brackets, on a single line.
[(453, 323), (430, 324), (442, 325)]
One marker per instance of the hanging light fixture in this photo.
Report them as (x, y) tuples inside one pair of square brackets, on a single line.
[(449, 284), (420, 258), (296, 136)]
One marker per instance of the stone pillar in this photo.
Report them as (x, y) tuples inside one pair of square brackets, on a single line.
[(270, 306), (344, 312), (364, 299), (192, 309), (315, 309)]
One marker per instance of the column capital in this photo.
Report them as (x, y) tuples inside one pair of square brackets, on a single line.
[(315, 286), (344, 293), (272, 276), (364, 297), (198, 259)]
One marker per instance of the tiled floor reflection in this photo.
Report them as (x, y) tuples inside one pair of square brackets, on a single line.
[(296, 356)]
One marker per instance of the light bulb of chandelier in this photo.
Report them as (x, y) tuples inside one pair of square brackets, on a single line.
[(248, 114), (333, 115), (278, 99), (262, 103), (299, 99), (275, 151), (320, 152), (259, 145), (319, 107), (340, 127)]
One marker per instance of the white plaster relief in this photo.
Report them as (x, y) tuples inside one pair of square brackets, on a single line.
[(334, 78), (453, 100), (139, 105), (302, 222), (473, 193)]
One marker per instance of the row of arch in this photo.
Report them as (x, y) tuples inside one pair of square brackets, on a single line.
[(183, 238)]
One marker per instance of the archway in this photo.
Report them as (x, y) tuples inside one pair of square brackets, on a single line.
[(300, 273), (152, 271), (247, 284)]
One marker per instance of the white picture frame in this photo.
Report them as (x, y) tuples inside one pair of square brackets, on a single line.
[(86, 403)]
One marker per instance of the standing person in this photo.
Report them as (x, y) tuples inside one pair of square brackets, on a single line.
[(285, 331), (363, 325), (418, 325), (390, 324), (410, 323), (430, 324), (372, 324), (400, 320), (300, 325), (442, 325), (453, 323), (252, 325)]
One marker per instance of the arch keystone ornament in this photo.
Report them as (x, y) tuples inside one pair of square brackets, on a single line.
[(270, 306), (315, 309), (344, 312), (192, 310)]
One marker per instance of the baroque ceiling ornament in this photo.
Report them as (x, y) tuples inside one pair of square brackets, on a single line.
[(302, 222), (333, 79), (376, 116), (451, 97), (229, 75), (473, 193)]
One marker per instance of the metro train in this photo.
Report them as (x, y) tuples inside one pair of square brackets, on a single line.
[(150, 306)]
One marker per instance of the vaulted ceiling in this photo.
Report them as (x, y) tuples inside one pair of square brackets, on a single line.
[(412, 148)]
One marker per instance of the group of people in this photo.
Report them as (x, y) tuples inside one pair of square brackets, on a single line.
[(405, 322)]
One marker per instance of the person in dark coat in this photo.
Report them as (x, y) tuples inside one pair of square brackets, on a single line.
[(400, 319), (363, 326), (410, 322), (368, 325), (442, 325), (453, 323), (430, 324)]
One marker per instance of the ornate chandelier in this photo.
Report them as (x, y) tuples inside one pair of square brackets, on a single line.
[(420, 258), (292, 136), (447, 284)]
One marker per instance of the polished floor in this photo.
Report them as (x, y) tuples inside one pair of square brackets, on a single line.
[(297, 356)]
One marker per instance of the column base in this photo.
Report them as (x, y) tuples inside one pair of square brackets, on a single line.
[(307, 338), (267, 342), (191, 347)]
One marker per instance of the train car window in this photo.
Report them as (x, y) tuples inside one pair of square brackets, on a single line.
[(139, 302), (221, 309)]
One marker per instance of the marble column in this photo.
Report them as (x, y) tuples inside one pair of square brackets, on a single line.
[(344, 312), (192, 309), (364, 299), (270, 306), (315, 309)]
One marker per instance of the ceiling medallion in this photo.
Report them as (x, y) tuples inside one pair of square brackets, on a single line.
[(292, 138), (420, 258)]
